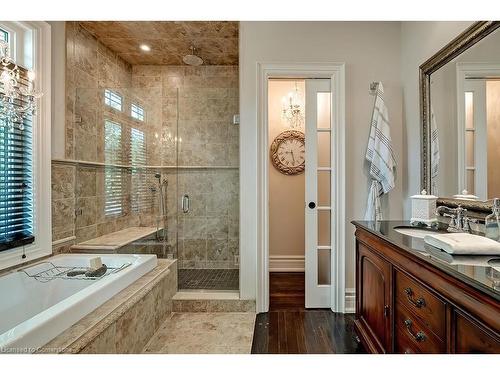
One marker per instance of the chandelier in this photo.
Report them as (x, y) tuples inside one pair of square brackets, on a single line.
[(292, 109), (167, 137), (17, 100)]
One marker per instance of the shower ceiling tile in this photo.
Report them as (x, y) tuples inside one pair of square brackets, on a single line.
[(216, 41)]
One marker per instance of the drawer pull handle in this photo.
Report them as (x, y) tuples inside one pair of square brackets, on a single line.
[(419, 336), (420, 302)]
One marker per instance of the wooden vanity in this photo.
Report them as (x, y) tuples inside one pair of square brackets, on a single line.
[(409, 302)]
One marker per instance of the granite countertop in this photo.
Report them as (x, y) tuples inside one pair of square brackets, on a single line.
[(115, 240), (480, 272)]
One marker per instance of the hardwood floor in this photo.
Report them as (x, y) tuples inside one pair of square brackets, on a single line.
[(290, 328), (287, 291)]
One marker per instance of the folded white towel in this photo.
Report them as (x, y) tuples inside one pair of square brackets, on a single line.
[(463, 243), (461, 260)]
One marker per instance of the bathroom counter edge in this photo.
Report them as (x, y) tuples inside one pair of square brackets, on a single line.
[(387, 233)]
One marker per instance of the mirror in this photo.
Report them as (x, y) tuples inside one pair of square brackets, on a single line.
[(460, 108)]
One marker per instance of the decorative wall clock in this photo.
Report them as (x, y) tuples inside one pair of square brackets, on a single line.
[(288, 152)]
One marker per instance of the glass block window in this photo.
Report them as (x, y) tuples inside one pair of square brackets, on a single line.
[(137, 112), (113, 99)]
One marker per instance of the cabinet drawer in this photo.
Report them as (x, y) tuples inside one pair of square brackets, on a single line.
[(413, 336), (422, 302)]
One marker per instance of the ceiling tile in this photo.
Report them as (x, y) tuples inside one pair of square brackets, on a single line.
[(216, 42)]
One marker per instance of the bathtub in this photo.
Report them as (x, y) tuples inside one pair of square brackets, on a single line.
[(34, 311)]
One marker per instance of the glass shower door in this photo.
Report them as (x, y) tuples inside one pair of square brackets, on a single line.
[(208, 179)]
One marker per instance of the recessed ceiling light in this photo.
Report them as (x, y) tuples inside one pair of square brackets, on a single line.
[(145, 47)]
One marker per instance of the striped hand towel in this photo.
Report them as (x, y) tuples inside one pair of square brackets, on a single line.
[(380, 155)]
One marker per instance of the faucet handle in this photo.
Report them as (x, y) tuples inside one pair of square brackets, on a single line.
[(467, 221)]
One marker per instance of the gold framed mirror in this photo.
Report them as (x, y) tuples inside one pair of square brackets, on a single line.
[(449, 59)]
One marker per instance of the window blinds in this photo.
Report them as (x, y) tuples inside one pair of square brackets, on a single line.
[(113, 176), (141, 198), (16, 184)]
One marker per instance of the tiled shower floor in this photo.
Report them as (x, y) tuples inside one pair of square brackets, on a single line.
[(212, 279)]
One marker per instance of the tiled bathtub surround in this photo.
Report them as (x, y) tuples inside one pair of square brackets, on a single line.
[(126, 322)]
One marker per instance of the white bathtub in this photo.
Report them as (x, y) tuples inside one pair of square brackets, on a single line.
[(32, 312)]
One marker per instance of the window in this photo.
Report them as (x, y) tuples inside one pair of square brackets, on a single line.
[(141, 196), (113, 175), (4, 35), (137, 112), (25, 159), (113, 99), (16, 185)]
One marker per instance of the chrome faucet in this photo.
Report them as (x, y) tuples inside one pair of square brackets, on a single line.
[(459, 221)]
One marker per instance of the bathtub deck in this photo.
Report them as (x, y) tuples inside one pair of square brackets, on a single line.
[(127, 321), (204, 333)]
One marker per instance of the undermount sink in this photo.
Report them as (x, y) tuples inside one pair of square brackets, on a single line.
[(414, 232)]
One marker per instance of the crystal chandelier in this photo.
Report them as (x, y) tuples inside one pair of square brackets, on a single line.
[(167, 137), (17, 101), (292, 109)]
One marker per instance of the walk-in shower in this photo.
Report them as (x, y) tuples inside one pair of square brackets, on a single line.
[(156, 147)]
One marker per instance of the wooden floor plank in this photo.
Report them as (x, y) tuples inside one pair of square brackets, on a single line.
[(290, 328)]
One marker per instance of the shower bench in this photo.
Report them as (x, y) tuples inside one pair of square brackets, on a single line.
[(113, 242)]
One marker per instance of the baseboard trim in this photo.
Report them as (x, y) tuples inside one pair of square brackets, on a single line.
[(350, 301), (286, 263)]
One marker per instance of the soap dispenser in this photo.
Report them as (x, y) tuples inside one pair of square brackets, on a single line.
[(492, 221)]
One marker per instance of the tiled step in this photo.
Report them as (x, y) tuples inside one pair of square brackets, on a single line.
[(211, 302)]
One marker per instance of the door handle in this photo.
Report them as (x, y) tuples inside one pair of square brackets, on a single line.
[(387, 310), (185, 203), (312, 205)]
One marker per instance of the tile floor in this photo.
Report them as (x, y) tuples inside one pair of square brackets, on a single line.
[(212, 279), (204, 333)]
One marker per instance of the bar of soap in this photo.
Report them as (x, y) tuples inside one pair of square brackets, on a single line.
[(95, 263)]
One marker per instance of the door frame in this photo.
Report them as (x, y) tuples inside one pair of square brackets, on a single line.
[(336, 73), (464, 70)]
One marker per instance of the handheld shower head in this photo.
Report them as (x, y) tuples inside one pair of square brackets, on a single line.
[(157, 175)]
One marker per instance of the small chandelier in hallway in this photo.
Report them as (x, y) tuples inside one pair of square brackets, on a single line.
[(293, 109)]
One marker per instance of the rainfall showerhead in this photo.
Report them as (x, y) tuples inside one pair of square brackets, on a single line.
[(192, 59)]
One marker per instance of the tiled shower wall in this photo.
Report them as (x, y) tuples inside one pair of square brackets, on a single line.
[(194, 104), (78, 189)]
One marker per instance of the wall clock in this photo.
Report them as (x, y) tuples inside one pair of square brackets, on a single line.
[(288, 152)]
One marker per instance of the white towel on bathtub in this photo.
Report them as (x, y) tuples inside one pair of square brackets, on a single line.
[(463, 244), (380, 156)]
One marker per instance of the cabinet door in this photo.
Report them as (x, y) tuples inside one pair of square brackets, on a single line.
[(471, 337), (374, 297)]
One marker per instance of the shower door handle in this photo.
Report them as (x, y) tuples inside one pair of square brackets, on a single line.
[(185, 203)]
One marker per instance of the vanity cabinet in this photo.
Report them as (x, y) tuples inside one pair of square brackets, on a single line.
[(405, 304), (375, 298)]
